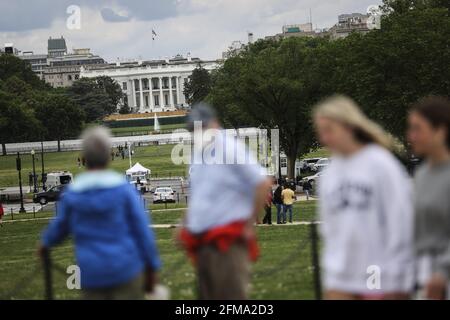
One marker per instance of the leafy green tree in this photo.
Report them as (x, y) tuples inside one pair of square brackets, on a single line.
[(60, 117), (11, 65), (387, 70), (17, 121), (273, 85), (98, 97), (198, 86)]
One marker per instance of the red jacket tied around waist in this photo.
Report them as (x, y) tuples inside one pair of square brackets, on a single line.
[(223, 237)]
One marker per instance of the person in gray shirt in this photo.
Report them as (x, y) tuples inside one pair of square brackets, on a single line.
[(429, 135)]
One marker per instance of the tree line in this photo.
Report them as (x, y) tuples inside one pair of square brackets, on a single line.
[(275, 84), (30, 110)]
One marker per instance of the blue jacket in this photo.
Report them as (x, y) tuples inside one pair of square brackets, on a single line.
[(110, 229)]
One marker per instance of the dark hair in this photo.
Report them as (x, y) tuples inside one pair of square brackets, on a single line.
[(436, 110)]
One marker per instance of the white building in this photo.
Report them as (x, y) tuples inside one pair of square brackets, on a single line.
[(151, 86)]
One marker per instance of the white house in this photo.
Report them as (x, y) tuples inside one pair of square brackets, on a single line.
[(151, 86)]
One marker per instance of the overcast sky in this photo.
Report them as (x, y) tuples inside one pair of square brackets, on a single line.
[(123, 28)]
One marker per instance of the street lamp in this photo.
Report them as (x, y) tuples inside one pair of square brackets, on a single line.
[(35, 190), (19, 169), (44, 178)]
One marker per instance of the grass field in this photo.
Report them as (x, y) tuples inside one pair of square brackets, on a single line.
[(156, 158), (283, 271)]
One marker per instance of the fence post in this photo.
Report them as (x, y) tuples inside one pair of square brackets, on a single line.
[(178, 197), (315, 261), (12, 214), (186, 199), (47, 264), (34, 212), (165, 202)]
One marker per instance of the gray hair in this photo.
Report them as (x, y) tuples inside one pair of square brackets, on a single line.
[(203, 113), (96, 147)]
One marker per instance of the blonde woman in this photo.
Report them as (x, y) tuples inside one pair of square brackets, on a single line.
[(365, 206)]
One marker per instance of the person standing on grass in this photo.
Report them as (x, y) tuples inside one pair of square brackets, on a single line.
[(288, 196), (227, 194), (115, 248), (429, 135), (2, 212), (307, 188), (278, 202), (268, 208), (365, 206)]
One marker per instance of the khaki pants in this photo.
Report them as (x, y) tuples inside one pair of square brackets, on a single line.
[(223, 275), (131, 290)]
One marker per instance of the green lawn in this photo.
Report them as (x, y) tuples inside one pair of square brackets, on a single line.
[(283, 271), (156, 158), (146, 129)]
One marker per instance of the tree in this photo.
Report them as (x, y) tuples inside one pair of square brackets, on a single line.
[(61, 118), (273, 85), (387, 70), (198, 86), (98, 97), (17, 121), (11, 65)]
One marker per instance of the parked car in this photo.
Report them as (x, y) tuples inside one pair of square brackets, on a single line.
[(321, 164), (51, 194), (308, 163), (163, 194)]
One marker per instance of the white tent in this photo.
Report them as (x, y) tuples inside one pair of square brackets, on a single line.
[(138, 169)]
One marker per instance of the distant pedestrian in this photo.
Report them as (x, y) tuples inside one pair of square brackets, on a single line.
[(288, 196), (2, 212), (79, 162), (123, 154), (365, 207), (278, 202), (115, 249), (268, 208), (83, 161), (225, 200), (307, 188), (112, 155), (429, 135)]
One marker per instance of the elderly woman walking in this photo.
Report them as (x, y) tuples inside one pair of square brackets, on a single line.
[(115, 249)]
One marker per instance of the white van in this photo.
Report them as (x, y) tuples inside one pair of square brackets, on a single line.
[(58, 178)]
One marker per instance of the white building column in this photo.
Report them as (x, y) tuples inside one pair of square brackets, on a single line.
[(177, 79), (161, 96), (141, 95), (150, 86), (133, 93), (183, 97), (172, 105)]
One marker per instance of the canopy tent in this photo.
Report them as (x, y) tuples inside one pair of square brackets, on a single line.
[(138, 169)]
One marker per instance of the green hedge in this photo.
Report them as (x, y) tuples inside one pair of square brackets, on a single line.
[(143, 122)]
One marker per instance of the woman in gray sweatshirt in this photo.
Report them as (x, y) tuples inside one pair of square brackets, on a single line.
[(429, 135)]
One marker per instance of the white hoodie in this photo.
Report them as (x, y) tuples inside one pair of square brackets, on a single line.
[(367, 214)]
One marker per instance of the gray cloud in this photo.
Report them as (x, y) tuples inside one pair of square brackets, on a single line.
[(110, 15), (203, 27), (25, 15)]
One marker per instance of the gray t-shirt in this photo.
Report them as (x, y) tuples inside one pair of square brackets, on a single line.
[(432, 206)]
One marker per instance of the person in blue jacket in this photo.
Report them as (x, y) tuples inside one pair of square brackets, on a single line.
[(114, 246)]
